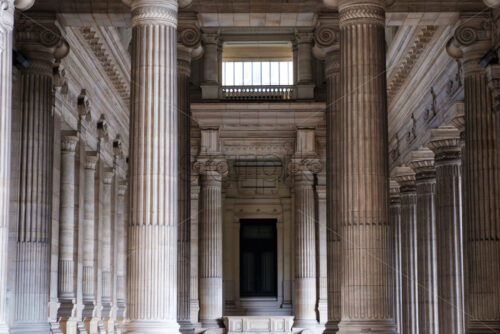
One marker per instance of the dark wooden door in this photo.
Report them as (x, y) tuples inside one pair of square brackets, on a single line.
[(258, 258)]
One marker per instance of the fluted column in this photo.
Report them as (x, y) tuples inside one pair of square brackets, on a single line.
[(195, 302), (106, 243), (6, 26), (395, 218), (322, 260), (423, 165), (367, 282), (305, 295), (121, 256), (445, 143), (189, 38), (152, 240), (88, 247), (40, 46), (405, 176), (481, 184), (67, 272), (210, 246)]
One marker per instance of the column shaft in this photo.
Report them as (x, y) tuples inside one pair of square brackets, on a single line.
[(482, 207), (322, 258), (333, 179), (367, 282), (6, 25), (305, 251), (210, 271), (106, 232), (195, 303), (88, 284), (449, 231), (395, 218), (152, 239), (66, 291), (121, 256), (184, 180)]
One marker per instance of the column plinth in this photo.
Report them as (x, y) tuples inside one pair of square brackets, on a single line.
[(423, 164), (41, 47), (445, 142), (367, 241), (152, 232)]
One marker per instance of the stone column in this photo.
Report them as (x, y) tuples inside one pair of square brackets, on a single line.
[(445, 142), (367, 282), (481, 180), (322, 260), (189, 37), (88, 284), (6, 27), (67, 240), (41, 47), (210, 246), (121, 256), (152, 240), (106, 229), (395, 218), (423, 165), (195, 303), (305, 295), (405, 176)]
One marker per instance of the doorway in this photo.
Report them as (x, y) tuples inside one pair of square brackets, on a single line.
[(258, 258)]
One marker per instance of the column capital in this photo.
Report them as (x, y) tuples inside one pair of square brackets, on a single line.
[(304, 37), (153, 12), (394, 192), (405, 176), (445, 142), (362, 11), (40, 40), (327, 37), (24, 4), (208, 167), (334, 4), (189, 45), (109, 173), (210, 37), (122, 189), (422, 163), (91, 159), (6, 16), (471, 41), (69, 141)]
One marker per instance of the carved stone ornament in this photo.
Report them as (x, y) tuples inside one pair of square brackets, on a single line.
[(203, 167), (305, 165), (326, 39), (59, 79), (117, 148), (84, 110), (102, 128)]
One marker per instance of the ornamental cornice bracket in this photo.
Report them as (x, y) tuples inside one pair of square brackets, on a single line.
[(102, 129), (118, 149), (472, 39), (204, 166), (59, 80), (84, 107)]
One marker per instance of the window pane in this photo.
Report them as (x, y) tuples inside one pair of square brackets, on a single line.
[(275, 73), (266, 76), (247, 75), (238, 74), (229, 74), (283, 73), (257, 79), (290, 73)]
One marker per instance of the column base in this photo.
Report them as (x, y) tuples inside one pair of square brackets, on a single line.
[(151, 327), (306, 324), (369, 326), (212, 324), (186, 326), (31, 328), (331, 327)]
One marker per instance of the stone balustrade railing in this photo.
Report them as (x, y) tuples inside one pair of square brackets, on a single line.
[(247, 93)]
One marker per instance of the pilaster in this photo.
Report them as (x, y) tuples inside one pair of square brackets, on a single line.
[(395, 219)]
